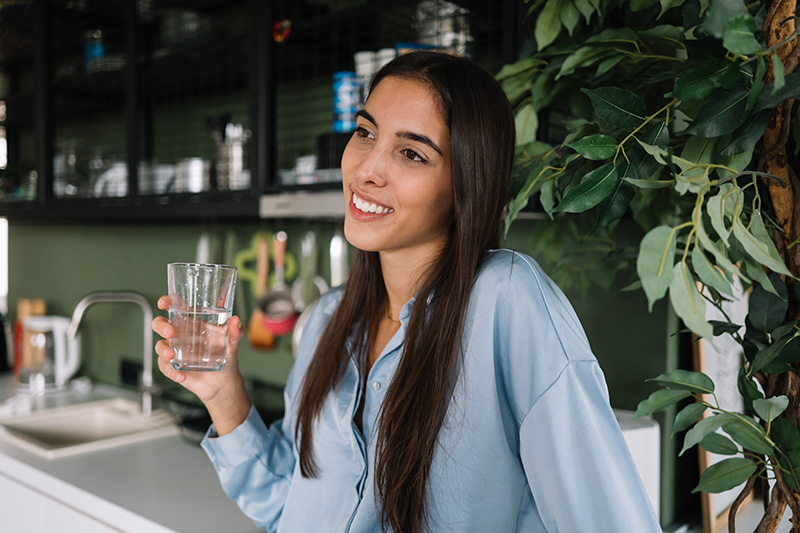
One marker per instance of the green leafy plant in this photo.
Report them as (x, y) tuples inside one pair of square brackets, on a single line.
[(678, 115)]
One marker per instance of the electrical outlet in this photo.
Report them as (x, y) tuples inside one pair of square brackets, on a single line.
[(131, 373)]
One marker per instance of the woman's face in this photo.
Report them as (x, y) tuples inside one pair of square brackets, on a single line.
[(397, 172)]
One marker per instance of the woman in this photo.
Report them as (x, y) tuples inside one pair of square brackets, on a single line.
[(448, 386)]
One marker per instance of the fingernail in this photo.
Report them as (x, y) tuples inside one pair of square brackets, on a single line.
[(168, 331)]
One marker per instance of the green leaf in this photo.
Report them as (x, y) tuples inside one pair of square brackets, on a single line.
[(660, 400), (720, 15), (657, 134), (654, 262), (569, 15), (700, 82), (613, 206), (520, 67), (688, 416), (585, 8), (758, 82), (739, 37), (709, 274), (548, 24), (745, 137), (766, 309), (663, 32), (785, 435), (731, 165), (726, 474), (721, 328), (747, 388), (686, 380), (753, 268), (584, 56), (687, 301), (719, 207), (546, 196), (721, 114), (769, 354), (607, 64), (614, 35), (749, 434), (705, 427), (770, 99), (596, 147), (708, 245), (590, 191), (619, 107), (768, 409), (669, 4), (778, 73), (650, 184), (695, 157), (720, 444), (526, 124), (758, 243)]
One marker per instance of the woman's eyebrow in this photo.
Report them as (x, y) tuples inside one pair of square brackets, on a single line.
[(404, 134)]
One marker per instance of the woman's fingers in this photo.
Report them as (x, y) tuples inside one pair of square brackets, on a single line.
[(169, 372), (163, 302), (162, 326)]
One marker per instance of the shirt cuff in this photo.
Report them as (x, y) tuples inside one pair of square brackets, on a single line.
[(238, 446)]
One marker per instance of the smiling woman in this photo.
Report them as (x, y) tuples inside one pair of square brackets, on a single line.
[(448, 386), (394, 163)]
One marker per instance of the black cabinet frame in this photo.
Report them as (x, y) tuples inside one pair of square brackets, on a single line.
[(214, 205)]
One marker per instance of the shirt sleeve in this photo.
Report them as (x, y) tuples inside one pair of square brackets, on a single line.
[(578, 465), (254, 464)]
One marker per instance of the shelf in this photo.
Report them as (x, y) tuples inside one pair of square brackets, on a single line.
[(239, 205), (303, 204)]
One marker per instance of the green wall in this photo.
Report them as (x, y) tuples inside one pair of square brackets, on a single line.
[(63, 263)]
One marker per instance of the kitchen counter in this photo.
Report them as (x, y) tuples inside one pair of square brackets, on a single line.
[(162, 485)]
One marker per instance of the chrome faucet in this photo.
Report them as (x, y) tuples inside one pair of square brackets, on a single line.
[(141, 301)]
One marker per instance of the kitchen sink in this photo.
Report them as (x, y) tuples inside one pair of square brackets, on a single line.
[(85, 427)]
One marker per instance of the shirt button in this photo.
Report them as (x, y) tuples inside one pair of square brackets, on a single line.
[(376, 385)]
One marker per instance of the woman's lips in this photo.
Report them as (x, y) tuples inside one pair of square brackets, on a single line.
[(366, 209)]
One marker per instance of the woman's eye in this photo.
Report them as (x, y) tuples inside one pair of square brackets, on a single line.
[(362, 132), (414, 156)]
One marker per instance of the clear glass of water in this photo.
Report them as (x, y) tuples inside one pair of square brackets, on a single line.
[(201, 306)]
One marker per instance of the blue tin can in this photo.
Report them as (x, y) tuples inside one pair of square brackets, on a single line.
[(94, 48), (345, 101)]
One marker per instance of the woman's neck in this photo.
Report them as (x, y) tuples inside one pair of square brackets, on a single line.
[(402, 276)]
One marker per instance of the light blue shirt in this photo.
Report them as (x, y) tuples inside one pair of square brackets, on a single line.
[(529, 444)]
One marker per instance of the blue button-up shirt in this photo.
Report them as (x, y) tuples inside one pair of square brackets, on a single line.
[(529, 443)]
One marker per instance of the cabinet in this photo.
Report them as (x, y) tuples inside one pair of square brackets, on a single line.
[(189, 109), (26, 510)]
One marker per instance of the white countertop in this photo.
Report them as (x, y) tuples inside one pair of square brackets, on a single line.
[(164, 484)]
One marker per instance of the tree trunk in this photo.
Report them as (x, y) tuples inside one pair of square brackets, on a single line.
[(779, 25)]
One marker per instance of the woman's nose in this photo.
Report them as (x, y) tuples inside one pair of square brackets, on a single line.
[(372, 167)]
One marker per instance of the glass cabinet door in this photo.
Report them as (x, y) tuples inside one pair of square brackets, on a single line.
[(193, 104), (87, 68), (325, 52), (18, 152)]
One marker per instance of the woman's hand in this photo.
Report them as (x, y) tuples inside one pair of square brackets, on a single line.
[(222, 392)]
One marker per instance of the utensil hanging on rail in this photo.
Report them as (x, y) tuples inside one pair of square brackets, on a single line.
[(277, 306)]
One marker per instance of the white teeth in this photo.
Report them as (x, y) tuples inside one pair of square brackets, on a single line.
[(368, 207)]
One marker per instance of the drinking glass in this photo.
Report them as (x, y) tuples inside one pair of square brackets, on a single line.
[(201, 305)]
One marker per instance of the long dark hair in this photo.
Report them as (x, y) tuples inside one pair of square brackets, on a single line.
[(481, 126)]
